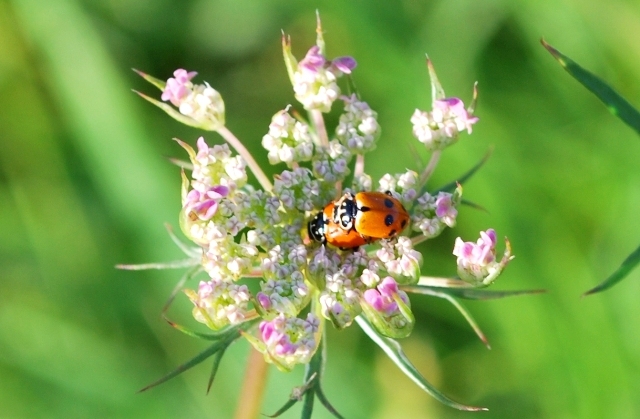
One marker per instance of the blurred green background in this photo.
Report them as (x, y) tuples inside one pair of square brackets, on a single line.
[(85, 184)]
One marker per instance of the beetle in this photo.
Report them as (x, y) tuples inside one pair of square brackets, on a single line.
[(355, 220)]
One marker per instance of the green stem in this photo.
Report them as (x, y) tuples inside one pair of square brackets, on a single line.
[(253, 165), (431, 166), (359, 167), (321, 129)]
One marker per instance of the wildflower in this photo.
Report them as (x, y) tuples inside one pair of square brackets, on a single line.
[(258, 235), (401, 260), (441, 126), (477, 262), (315, 79), (288, 141), (178, 87), (389, 309), (340, 300), (201, 104), (220, 303), (433, 213), (204, 204), (287, 341), (358, 128)]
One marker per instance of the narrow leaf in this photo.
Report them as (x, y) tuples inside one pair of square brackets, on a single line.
[(160, 84), (217, 335), (179, 285), (437, 92), (183, 164), (191, 363), (467, 293), (307, 407), (172, 112), (627, 266), (473, 205), (465, 177), (195, 252), (325, 402), (284, 408), (616, 104), (312, 374), (467, 316), (214, 368), (474, 100), (177, 264), (395, 353)]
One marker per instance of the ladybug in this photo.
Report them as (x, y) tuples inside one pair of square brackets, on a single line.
[(355, 220)]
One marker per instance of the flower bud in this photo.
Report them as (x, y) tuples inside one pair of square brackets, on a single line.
[(202, 105), (388, 309), (219, 303), (287, 341), (401, 261), (477, 263), (340, 300)]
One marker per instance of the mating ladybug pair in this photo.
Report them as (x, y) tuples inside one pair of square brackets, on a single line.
[(355, 220)]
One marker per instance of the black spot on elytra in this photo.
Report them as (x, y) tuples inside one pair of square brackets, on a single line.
[(388, 203), (364, 209), (388, 220)]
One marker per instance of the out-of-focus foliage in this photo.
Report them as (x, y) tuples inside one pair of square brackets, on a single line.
[(85, 184), (618, 106)]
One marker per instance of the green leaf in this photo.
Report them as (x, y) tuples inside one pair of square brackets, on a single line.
[(627, 266), (172, 112), (307, 407), (465, 177), (191, 363), (395, 353), (473, 205), (325, 402), (437, 92), (284, 408), (217, 335), (160, 84), (467, 316), (176, 264), (311, 387), (467, 293), (179, 285), (616, 104), (214, 368)]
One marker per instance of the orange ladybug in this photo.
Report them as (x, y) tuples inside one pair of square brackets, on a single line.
[(355, 220)]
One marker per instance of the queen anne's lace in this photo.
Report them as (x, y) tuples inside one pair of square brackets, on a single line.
[(247, 234)]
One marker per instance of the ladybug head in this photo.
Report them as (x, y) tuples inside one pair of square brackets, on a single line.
[(315, 228)]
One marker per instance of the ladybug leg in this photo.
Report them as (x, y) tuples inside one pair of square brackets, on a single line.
[(367, 238)]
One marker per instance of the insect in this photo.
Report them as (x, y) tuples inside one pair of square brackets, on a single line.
[(355, 220)]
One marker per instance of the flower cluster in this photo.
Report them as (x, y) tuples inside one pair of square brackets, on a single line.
[(200, 103), (270, 253), (440, 127), (477, 262)]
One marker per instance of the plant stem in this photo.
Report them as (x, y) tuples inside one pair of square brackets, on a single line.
[(255, 378), (359, 167), (431, 166), (255, 168), (321, 129)]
